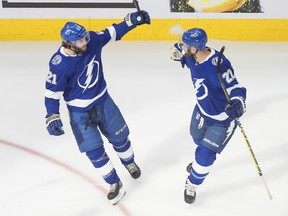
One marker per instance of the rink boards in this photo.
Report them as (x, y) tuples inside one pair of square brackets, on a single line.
[(160, 29)]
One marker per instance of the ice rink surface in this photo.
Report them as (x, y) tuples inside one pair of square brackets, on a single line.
[(43, 175)]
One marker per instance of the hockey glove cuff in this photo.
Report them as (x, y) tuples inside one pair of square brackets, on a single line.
[(236, 108), (54, 125)]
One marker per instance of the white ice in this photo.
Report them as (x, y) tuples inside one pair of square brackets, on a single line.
[(43, 175)]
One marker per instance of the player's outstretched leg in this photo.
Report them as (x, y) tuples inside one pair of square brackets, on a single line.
[(190, 192), (116, 192), (134, 170)]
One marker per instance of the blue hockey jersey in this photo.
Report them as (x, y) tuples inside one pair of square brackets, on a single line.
[(211, 100), (80, 79)]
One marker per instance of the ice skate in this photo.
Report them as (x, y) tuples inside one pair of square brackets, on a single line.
[(116, 192), (190, 192), (189, 167), (134, 170)]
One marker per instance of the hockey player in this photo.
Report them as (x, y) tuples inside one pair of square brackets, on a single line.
[(213, 120), (76, 73)]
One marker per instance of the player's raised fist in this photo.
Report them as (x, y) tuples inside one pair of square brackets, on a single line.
[(137, 18)]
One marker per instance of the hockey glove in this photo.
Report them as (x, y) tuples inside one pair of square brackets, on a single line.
[(137, 18), (177, 53), (54, 125), (236, 108)]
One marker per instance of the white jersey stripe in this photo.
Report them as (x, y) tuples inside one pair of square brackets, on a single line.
[(85, 102), (53, 95), (220, 117), (112, 32)]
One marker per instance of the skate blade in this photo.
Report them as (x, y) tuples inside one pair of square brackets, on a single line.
[(189, 204), (138, 180), (118, 198)]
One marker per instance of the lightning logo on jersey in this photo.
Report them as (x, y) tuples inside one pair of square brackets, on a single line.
[(201, 89), (89, 75)]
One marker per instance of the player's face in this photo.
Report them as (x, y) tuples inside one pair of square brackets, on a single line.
[(81, 45), (190, 51)]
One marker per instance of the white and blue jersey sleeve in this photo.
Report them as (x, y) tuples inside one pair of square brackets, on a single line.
[(79, 79), (211, 100)]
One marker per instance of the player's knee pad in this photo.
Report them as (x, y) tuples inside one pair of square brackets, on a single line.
[(205, 156), (122, 146), (98, 157)]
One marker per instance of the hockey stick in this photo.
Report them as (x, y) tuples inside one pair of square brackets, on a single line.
[(239, 123), (136, 3)]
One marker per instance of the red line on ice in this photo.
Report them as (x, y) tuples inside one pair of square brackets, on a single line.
[(64, 166)]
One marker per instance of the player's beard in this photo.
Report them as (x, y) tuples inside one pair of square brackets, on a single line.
[(82, 49), (79, 50), (189, 54)]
